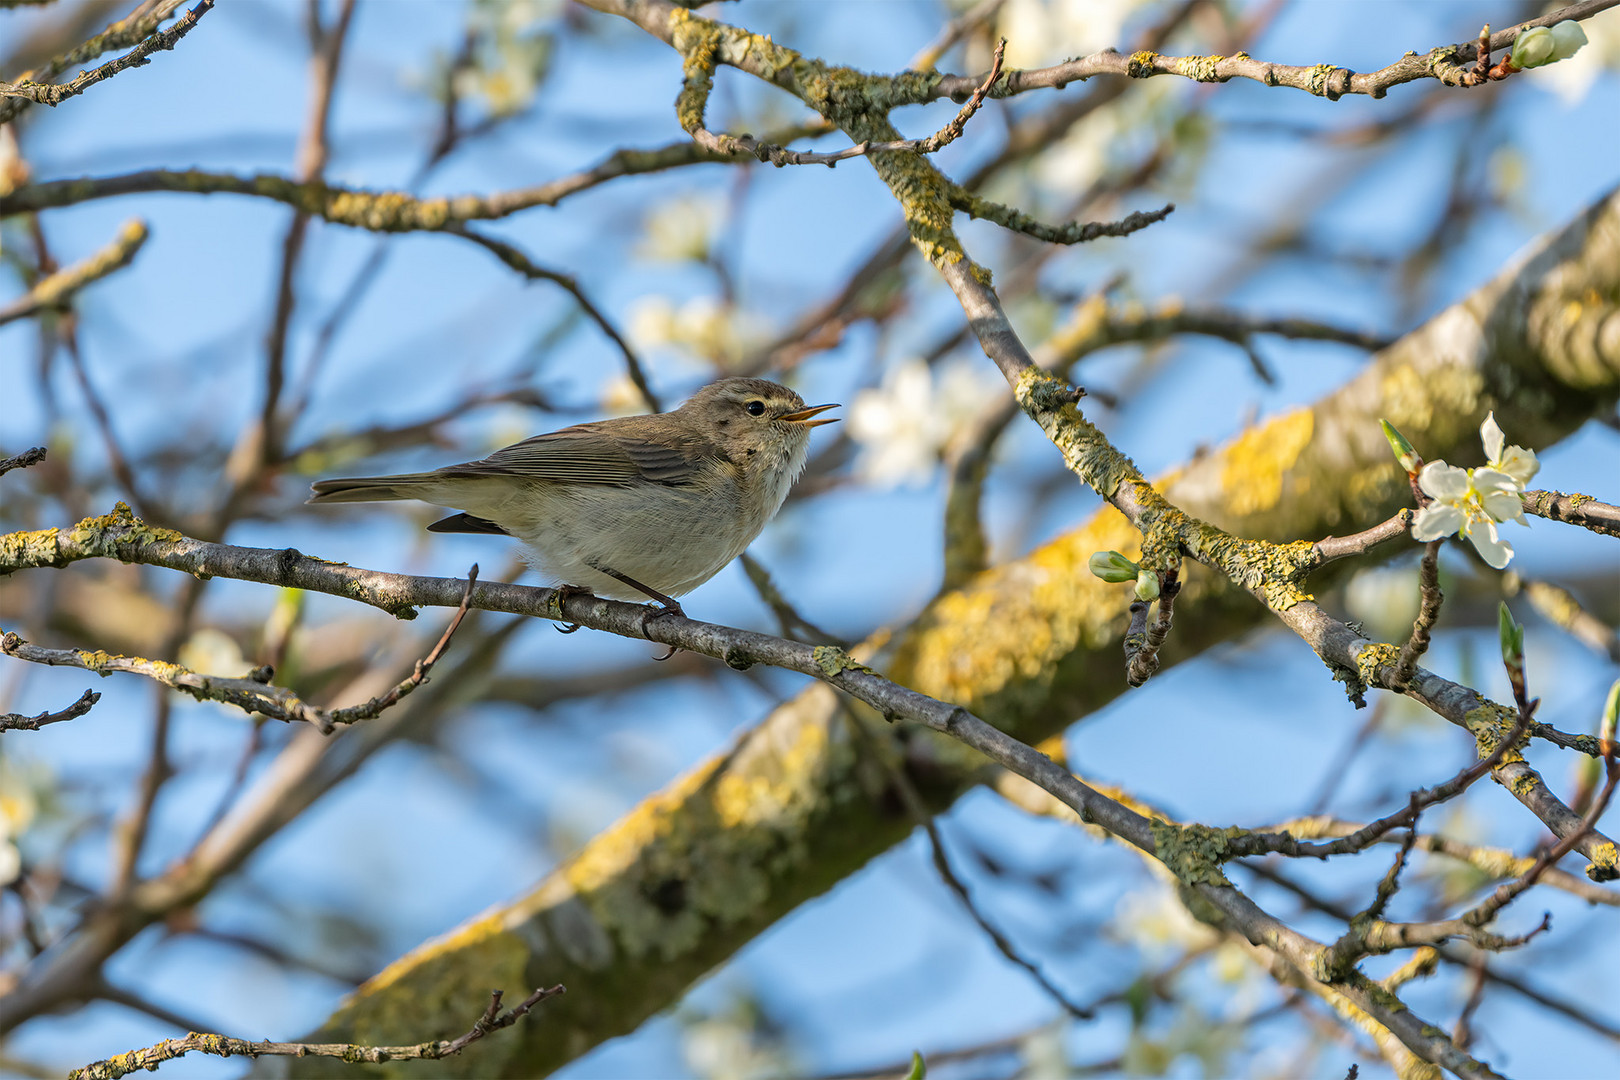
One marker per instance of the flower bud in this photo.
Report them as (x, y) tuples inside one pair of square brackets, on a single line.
[(1147, 585), (1532, 48), (1113, 567), (1404, 453), (1511, 635)]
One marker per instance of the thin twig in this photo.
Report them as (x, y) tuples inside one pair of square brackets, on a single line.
[(18, 722), (1430, 597), (253, 693), (1331, 548), (779, 156), (1144, 661), (55, 94), (787, 617), (924, 818), (32, 456), (223, 1046), (520, 262), (1447, 63)]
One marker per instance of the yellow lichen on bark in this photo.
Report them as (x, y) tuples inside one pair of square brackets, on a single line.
[(1257, 461)]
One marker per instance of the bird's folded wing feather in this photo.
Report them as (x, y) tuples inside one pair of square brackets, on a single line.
[(584, 454)]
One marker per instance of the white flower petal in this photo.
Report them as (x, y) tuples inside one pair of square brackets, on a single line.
[(1490, 433), (1433, 522), (1519, 463), (1502, 505), (1443, 482), (1493, 549), (1568, 37), (1488, 480)]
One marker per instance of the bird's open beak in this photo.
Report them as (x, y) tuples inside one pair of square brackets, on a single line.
[(803, 416)]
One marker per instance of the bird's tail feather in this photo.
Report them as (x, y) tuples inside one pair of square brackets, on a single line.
[(372, 488)]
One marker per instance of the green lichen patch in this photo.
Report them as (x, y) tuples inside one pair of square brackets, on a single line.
[(1490, 725), (1201, 68), (1050, 402), (1372, 658), (832, 660), (1140, 65), (1194, 853)]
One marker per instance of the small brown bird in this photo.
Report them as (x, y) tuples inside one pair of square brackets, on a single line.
[(637, 506)]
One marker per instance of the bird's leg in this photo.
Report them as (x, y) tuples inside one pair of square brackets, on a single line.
[(562, 594), (668, 605)]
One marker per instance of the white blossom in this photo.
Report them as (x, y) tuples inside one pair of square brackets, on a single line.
[(904, 423), (1472, 502), (1517, 462), (680, 230)]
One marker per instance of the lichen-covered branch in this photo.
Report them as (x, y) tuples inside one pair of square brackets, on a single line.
[(1582, 510), (57, 289), (252, 693), (378, 211), (149, 1059), (1448, 63), (120, 35), (27, 89)]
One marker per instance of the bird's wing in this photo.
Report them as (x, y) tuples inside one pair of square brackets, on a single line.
[(588, 454)]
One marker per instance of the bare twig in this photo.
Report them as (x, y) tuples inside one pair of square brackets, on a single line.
[(520, 262), (1340, 547), (1143, 661), (1075, 232), (18, 722), (120, 35), (223, 1046), (326, 49), (788, 618), (32, 456), (1430, 597)]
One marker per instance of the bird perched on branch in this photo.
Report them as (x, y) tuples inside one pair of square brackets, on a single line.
[(637, 506)]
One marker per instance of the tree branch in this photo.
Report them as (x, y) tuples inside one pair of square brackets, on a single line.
[(223, 1046), (57, 289)]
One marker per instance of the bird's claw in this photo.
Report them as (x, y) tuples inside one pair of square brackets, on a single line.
[(658, 611)]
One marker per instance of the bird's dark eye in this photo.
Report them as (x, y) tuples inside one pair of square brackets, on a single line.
[(756, 408)]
